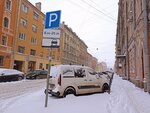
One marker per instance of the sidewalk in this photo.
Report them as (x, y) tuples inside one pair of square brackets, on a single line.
[(128, 98)]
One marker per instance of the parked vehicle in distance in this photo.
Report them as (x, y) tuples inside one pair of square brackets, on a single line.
[(75, 79), (107, 74), (7, 75), (37, 74)]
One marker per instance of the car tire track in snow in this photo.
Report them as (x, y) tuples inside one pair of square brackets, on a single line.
[(11, 91)]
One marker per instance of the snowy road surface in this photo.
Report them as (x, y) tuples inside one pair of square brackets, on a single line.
[(10, 90), (124, 98)]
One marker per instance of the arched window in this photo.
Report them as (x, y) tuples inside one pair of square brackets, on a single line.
[(6, 22), (8, 4)]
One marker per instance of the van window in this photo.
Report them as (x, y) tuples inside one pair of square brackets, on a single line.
[(68, 71), (91, 72), (79, 72)]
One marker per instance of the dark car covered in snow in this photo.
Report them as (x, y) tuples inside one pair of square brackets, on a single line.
[(37, 74), (7, 75)]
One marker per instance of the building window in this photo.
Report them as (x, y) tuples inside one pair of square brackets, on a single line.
[(34, 28), (58, 58), (41, 54), (6, 22), (24, 22), (1, 60), (22, 36), (53, 57), (132, 59), (33, 40), (35, 16), (8, 4), (32, 52), (4, 40), (40, 66), (46, 66), (21, 49), (24, 8)]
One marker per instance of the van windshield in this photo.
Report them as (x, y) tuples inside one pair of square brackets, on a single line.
[(55, 70)]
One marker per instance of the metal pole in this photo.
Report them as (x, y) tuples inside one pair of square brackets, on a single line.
[(146, 58), (126, 36), (16, 35), (47, 83)]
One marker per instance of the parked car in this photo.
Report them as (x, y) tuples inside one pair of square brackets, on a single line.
[(75, 79), (7, 75), (107, 74), (37, 74)]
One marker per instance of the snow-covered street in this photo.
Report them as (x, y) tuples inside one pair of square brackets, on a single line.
[(11, 91), (124, 98)]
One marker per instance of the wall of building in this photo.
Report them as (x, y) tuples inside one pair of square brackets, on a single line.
[(7, 32), (32, 29), (130, 41), (73, 49)]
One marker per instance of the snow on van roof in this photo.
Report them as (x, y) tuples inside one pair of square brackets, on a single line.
[(61, 65), (56, 69)]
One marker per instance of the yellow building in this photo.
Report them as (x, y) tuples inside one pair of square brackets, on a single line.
[(8, 15), (72, 49), (28, 52)]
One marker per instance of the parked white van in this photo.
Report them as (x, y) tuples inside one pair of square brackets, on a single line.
[(75, 79)]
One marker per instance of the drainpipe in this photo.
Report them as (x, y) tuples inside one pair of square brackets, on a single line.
[(146, 58), (16, 34), (126, 37)]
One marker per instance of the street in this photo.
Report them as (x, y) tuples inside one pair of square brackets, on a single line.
[(28, 97), (10, 90)]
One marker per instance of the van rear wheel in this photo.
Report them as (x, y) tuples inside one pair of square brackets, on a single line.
[(69, 90)]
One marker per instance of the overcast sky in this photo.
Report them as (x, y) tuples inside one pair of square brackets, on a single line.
[(94, 21)]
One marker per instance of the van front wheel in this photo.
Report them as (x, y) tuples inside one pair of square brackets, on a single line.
[(69, 90)]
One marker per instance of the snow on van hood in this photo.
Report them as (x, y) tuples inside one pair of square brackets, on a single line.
[(4, 71)]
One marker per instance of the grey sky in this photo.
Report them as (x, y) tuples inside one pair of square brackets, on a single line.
[(94, 21)]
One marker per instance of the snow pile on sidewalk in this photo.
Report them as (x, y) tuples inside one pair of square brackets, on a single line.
[(124, 98), (127, 98)]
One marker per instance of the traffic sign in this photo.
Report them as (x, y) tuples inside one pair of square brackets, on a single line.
[(52, 19), (53, 33), (50, 42)]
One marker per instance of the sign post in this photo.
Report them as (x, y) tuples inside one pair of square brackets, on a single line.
[(49, 68), (51, 40)]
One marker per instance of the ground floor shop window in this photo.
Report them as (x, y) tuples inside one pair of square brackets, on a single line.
[(46, 66), (40, 66), (1, 60)]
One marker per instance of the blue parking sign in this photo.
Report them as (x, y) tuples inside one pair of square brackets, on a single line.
[(52, 19)]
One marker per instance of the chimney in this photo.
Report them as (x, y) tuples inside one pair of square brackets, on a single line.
[(38, 5)]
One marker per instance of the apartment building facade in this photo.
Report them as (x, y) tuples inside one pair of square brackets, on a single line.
[(28, 51), (7, 31), (102, 66), (132, 42), (21, 36), (73, 50)]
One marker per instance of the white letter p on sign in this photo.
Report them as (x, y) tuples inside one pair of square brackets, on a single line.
[(53, 17)]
